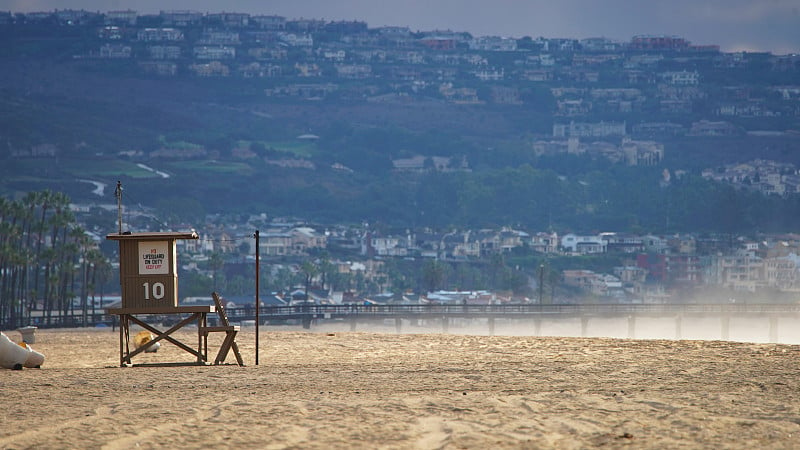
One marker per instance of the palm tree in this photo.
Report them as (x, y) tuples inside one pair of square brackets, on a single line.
[(29, 204), (83, 246), (60, 223), (326, 269), (5, 248), (38, 234), (280, 279), (310, 270), (9, 260), (46, 260), (99, 270), (73, 240), (54, 289), (433, 275), (43, 200)]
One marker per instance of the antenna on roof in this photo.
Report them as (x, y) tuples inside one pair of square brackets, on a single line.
[(118, 195)]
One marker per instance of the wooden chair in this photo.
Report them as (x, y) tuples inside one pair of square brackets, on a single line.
[(230, 333)]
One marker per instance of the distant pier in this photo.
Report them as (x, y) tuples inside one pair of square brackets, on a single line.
[(776, 323), (669, 321)]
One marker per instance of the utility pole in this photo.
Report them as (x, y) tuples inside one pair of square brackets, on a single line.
[(258, 301)]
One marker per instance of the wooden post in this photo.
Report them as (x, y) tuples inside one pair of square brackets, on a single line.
[(121, 343), (584, 326), (678, 326), (491, 326), (202, 341)]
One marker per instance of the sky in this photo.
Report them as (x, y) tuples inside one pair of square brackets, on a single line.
[(734, 25)]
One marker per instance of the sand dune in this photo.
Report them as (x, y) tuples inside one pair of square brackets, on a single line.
[(371, 390)]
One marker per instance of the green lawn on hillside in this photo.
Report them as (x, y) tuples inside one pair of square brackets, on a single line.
[(303, 149), (210, 167)]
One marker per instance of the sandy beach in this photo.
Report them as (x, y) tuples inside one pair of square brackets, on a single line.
[(389, 391)]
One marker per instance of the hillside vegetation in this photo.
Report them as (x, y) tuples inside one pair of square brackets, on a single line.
[(221, 145)]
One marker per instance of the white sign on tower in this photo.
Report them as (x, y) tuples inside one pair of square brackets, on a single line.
[(153, 257)]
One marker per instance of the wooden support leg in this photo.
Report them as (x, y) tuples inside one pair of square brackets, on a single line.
[(122, 331), (202, 351), (236, 353), (230, 340)]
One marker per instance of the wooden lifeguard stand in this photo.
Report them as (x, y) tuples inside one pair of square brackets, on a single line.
[(149, 282)]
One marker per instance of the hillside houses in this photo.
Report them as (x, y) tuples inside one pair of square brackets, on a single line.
[(587, 130), (653, 261), (595, 90), (652, 268), (630, 152), (602, 285), (634, 74), (421, 163), (291, 242), (768, 177), (455, 245)]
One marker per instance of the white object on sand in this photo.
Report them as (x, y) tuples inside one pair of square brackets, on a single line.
[(16, 356), (34, 359)]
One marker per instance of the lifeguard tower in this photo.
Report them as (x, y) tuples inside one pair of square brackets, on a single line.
[(149, 282)]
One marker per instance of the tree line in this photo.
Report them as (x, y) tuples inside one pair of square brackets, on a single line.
[(395, 275), (46, 261)]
